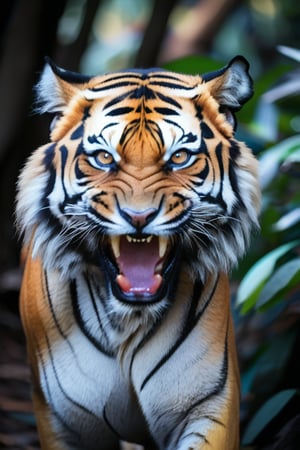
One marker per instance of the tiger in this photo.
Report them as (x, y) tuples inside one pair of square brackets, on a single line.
[(132, 216)]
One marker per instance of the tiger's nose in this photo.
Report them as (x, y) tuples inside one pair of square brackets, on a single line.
[(139, 218)]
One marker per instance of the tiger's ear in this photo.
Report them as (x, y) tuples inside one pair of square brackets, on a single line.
[(232, 85), (56, 88)]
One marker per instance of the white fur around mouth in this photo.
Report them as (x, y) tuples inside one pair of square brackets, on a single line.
[(115, 243)]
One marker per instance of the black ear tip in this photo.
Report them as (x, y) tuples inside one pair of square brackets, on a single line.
[(66, 75), (241, 60), (57, 70), (238, 60), (48, 60)]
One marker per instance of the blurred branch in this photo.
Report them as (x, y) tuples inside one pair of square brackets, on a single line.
[(69, 56), (198, 29), (210, 15), (154, 34), (16, 64), (30, 34)]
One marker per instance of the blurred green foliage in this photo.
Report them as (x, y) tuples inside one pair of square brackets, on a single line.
[(269, 292)]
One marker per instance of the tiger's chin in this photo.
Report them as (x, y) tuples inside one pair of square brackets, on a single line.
[(141, 269)]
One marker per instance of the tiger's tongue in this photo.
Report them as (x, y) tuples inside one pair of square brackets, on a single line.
[(137, 262)]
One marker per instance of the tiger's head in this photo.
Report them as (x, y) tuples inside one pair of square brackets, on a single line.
[(142, 177)]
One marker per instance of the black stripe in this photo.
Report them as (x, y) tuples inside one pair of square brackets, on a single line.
[(203, 174), (79, 175), (213, 419), (170, 100), (179, 218), (52, 310), (234, 183), (218, 152), (74, 402), (143, 91), (203, 148), (165, 75), (172, 85), (100, 219), (77, 133), (79, 150), (189, 138), (88, 282), (171, 122), (49, 156), (148, 336), (199, 114), (53, 411), (198, 435), (82, 325), (120, 111), (206, 132), (234, 154), (113, 86), (184, 420), (109, 425), (215, 391), (219, 197), (117, 99), (135, 74), (234, 150), (57, 324), (93, 139), (190, 322), (64, 156), (166, 111)]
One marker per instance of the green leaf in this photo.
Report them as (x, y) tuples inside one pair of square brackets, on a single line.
[(294, 155), (253, 282), (194, 65), (290, 52), (270, 160), (272, 363), (288, 220), (287, 276), (266, 414)]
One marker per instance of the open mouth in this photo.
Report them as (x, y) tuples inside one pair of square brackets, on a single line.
[(140, 267)]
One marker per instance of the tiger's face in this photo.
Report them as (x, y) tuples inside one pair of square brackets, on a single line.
[(142, 177)]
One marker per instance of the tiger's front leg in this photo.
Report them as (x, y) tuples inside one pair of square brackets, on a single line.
[(55, 435), (49, 440), (190, 397), (219, 430), (64, 421)]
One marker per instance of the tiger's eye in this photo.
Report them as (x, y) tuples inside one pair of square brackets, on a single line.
[(104, 158), (180, 157)]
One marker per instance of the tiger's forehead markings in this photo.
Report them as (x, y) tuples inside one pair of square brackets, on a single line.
[(149, 113), (117, 84)]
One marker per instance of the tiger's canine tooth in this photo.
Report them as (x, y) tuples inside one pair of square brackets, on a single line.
[(115, 244), (163, 243)]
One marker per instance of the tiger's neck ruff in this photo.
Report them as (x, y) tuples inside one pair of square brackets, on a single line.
[(132, 215)]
